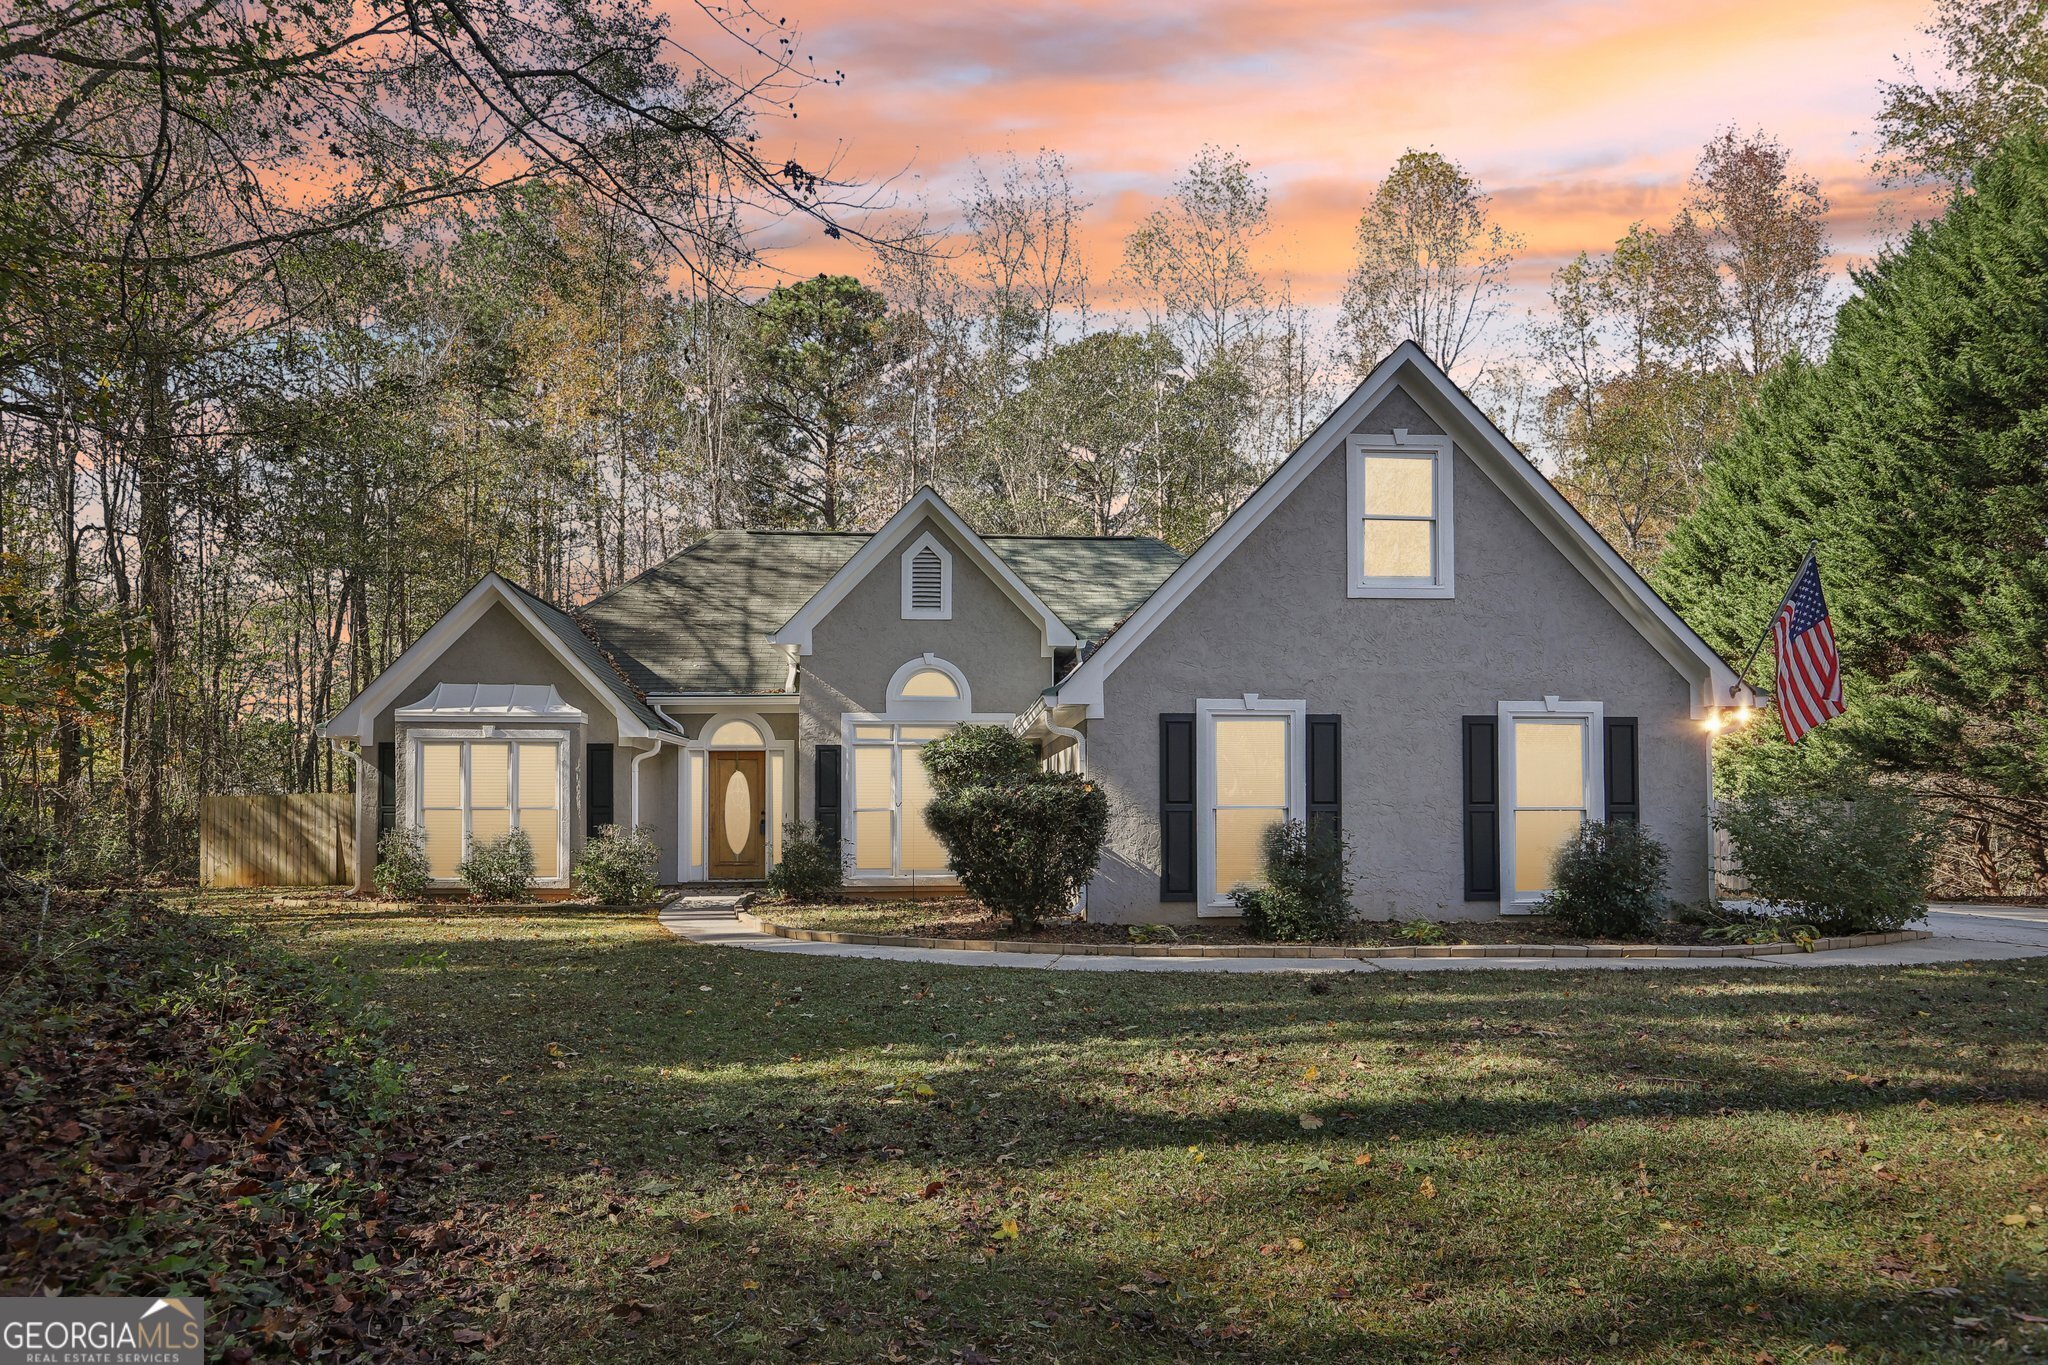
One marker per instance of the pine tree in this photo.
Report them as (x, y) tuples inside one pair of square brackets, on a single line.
[(1916, 455)]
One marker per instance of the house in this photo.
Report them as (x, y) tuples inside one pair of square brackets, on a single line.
[(1405, 630)]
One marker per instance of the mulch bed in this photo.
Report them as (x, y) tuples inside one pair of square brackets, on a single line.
[(187, 1113), (965, 919)]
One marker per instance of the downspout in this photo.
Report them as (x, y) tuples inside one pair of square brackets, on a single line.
[(1080, 767), (633, 772)]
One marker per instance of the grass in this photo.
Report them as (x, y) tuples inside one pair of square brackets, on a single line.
[(721, 1154)]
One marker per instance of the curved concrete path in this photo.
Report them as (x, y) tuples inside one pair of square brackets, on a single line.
[(1962, 934)]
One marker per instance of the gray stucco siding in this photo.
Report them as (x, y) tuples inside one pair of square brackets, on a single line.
[(858, 646), (1274, 618)]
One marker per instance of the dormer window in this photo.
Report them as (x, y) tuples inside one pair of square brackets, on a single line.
[(1400, 516), (927, 580)]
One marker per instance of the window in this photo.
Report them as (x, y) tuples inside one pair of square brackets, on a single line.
[(927, 580), (1400, 508), (1253, 778), (477, 790), (890, 792), (1551, 781), (928, 684), (740, 733)]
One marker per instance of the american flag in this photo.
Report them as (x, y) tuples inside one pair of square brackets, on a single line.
[(1809, 666)]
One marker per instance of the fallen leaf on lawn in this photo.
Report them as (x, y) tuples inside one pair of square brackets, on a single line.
[(1362, 1159), (1311, 1122), (466, 1336), (1310, 1075), (658, 1260), (1008, 1229), (1427, 1189), (1296, 1244)]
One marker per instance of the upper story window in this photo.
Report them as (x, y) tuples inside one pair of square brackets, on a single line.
[(1400, 516), (929, 686), (927, 580)]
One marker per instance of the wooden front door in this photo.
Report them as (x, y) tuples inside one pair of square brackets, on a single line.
[(739, 817)]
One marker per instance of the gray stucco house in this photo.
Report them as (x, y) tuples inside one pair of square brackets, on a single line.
[(1405, 629)]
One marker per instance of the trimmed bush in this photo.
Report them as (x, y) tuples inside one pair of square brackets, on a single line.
[(1025, 847), (499, 869), (1854, 865), (617, 866), (977, 756), (1608, 881), (402, 871), (1307, 894), (812, 867)]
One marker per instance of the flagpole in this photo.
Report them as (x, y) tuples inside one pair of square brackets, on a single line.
[(1812, 548)]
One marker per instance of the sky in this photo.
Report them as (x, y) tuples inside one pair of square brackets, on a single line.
[(1578, 116)]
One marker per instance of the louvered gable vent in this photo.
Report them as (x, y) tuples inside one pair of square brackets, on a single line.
[(927, 578), (926, 591)]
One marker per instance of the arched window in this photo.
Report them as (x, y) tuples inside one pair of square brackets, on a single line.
[(929, 687), (927, 580), (730, 733)]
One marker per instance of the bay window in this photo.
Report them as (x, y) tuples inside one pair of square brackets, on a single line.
[(475, 790)]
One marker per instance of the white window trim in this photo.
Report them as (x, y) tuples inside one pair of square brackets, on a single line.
[(930, 709), (903, 710), (693, 794), (413, 804), (1211, 900), (1593, 715), (910, 553), (1398, 442)]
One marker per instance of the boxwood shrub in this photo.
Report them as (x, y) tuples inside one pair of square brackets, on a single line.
[(1022, 842), (1307, 894), (1608, 881), (617, 865)]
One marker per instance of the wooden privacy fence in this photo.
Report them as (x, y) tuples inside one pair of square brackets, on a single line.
[(303, 839)]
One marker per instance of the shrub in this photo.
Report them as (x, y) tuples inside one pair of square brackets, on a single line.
[(1023, 845), (1608, 880), (499, 869), (977, 756), (812, 866), (402, 871), (618, 865), (1307, 894), (1854, 865)]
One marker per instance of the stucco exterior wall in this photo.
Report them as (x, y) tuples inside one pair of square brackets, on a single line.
[(498, 648), (1274, 618), (861, 643)]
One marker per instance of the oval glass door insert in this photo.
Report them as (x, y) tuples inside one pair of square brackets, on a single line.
[(739, 811)]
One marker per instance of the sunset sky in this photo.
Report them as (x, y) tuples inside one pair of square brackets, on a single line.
[(1579, 116)]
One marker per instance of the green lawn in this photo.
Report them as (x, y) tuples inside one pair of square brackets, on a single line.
[(716, 1153)]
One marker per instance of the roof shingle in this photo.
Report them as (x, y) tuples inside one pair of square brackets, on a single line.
[(700, 621)]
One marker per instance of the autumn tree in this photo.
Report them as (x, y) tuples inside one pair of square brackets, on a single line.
[(1993, 56), (1430, 266)]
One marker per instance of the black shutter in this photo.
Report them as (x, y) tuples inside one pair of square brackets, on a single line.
[(825, 793), (1176, 807), (1325, 773), (387, 787), (1482, 808), (1624, 795), (597, 794)]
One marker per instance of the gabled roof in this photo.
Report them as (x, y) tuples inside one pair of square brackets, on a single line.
[(555, 630), (700, 621), (796, 632), (1714, 681)]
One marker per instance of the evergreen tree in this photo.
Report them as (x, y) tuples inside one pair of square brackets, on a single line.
[(1916, 455)]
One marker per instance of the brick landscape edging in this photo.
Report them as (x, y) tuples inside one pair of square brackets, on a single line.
[(1056, 949)]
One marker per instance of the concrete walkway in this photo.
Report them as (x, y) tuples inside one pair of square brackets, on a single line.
[(1962, 934)]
